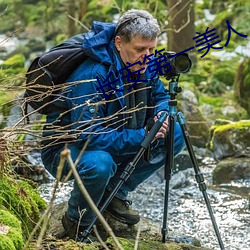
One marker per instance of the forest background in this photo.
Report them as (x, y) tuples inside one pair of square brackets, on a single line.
[(220, 78)]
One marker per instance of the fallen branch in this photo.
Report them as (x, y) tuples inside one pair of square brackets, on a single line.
[(66, 154)]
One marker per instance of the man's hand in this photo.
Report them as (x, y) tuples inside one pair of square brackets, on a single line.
[(164, 128)]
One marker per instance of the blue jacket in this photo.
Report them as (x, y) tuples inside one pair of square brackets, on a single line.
[(90, 116)]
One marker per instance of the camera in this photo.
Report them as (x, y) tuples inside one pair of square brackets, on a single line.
[(174, 65)]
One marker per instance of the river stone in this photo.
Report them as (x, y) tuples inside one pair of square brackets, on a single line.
[(232, 139), (231, 169)]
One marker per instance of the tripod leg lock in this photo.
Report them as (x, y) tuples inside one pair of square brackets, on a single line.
[(200, 180), (127, 172)]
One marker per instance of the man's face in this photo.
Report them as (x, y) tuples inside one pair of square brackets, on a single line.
[(135, 51)]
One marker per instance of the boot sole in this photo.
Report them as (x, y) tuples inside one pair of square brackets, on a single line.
[(121, 219)]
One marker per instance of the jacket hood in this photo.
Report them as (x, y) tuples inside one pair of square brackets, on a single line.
[(98, 42)]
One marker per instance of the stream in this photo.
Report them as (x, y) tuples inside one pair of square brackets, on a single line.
[(187, 212)]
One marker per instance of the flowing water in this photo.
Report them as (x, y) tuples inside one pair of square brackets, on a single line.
[(187, 212)]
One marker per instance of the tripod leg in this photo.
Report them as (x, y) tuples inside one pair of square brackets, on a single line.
[(199, 177), (168, 173), (129, 169)]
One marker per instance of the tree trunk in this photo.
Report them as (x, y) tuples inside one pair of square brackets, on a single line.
[(181, 25), (72, 13), (83, 7)]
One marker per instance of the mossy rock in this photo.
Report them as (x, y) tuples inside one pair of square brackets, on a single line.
[(10, 231), (232, 139), (22, 200)]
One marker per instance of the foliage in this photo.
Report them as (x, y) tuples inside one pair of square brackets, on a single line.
[(236, 12), (212, 75)]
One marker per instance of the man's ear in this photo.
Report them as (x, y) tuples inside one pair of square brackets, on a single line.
[(118, 42)]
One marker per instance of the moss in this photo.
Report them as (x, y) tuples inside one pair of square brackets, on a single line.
[(6, 243), (234, 125), (22, 200), (13, 239), (128, 244), (16, 61), (225, 75), (9, 219), (16, 237)]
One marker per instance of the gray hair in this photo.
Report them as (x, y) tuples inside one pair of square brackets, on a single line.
[(137, 22)]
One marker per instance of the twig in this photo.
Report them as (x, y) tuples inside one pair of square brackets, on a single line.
[(99, 238), (66, 154), (45, 217), (137, 236), (77, 21)]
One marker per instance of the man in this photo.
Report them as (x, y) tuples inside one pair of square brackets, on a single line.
[(108, 113)]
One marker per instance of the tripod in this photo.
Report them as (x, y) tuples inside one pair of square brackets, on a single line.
[(173, 90), (169, 163)]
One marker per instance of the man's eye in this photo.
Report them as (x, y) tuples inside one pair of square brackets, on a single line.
[(140, 49)]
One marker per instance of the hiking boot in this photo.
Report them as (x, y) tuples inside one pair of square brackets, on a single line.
[(121, 211), (75, 231)]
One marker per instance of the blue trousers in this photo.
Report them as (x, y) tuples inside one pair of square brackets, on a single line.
[(100, 170)]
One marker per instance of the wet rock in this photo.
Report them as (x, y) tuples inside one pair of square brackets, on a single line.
[(231, 169), (181, 179)]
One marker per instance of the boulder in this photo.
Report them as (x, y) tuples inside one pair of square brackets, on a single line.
[(231, 169), (150, 235), (231, 139)]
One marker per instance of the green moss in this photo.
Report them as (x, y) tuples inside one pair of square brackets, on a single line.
[(16, 61), (235, 125), (128, 244), (13, 239), (22, 200), (9, 219), (16, 237), (214, 101), (6, 243), (225, 75)]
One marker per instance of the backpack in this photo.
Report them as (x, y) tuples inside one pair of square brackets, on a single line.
[(47, 74)]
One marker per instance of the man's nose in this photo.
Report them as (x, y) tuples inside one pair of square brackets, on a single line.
[(146, 56)]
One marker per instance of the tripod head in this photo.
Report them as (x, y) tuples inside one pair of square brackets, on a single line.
[(173, 66), (174, 89)]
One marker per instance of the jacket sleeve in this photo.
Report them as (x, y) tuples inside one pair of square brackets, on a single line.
[(88, 119)]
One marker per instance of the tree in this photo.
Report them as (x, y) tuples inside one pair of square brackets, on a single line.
[(181, 27)]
